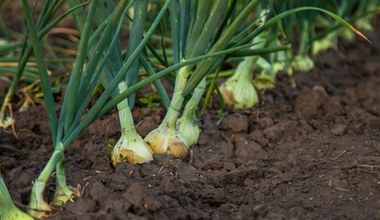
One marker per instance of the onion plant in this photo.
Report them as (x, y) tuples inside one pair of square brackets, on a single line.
[(238, 90), (130, 147)]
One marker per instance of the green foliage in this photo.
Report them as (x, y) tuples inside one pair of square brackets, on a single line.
[(150, 100)]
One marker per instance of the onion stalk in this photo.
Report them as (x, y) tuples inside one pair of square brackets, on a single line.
[(130, 147)]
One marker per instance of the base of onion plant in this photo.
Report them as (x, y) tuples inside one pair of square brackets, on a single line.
[(189, 129), (8, 210), (346, 34), (38, 208), (325, 43), (265, 80), (167, 140), (186, 123), (302, 63), (63, 193), (130, 147), (238, 91)]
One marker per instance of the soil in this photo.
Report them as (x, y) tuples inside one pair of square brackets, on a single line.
[(309, 150)]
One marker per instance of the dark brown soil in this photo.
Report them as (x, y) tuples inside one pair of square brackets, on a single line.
[(310, 150)]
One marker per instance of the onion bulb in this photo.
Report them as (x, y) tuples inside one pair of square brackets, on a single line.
[(131, 148), (38, 208), (302, 63), (238, 91), (189, 130), (168, 140)]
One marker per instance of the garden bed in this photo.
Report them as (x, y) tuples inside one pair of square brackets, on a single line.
[(309, 150)]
